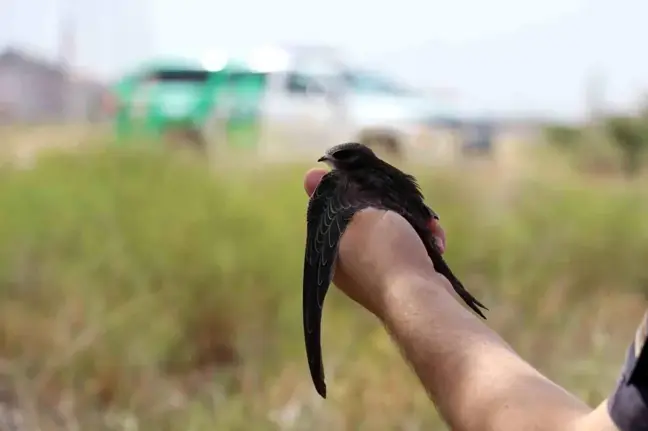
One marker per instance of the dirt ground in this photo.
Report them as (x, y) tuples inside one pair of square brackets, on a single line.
[(20, 144)]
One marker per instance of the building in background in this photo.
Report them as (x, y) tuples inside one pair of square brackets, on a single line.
[(35, 90)]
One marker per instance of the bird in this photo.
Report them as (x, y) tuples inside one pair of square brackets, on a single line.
[(359, 179)]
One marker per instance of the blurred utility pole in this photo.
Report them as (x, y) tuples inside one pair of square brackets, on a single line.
[(67, 58), (595, 104)]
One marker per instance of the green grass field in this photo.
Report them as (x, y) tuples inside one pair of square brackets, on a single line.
[(138, 291)]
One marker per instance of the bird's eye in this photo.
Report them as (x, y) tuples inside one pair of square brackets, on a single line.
[(344, 155)]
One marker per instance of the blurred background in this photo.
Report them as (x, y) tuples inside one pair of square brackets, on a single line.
[(152, 212)]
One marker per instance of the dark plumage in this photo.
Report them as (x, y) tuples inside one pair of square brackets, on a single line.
[(358, 180)]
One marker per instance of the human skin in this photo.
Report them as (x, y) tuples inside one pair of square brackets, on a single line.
[(475, 379)]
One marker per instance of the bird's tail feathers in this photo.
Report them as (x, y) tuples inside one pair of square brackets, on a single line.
[(442, 268)]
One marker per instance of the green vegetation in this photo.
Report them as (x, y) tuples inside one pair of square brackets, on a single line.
[(631, 137), (617, 143), (563, 135), (137, 287)]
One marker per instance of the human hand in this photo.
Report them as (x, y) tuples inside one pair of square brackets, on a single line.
[(377, 250)]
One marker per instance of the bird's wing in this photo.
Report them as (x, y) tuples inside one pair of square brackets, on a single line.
[(329, 213)]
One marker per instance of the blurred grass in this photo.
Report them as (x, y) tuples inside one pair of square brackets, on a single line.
[(140, 288)]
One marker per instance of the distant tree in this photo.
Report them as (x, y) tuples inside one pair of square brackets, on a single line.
[(630, 135), (563, 136)]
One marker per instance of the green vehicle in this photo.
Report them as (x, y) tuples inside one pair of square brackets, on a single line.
[(176, 99), (303, 99)]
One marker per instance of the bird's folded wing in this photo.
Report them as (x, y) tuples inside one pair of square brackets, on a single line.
[(329, 213)]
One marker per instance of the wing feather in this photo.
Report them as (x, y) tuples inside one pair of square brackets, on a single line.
[(329, 213)]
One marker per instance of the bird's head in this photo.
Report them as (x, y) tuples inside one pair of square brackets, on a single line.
[(348, 156)]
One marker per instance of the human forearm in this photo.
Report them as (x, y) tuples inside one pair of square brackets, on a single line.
[(456, 357)]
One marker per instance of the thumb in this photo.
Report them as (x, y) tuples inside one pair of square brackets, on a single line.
[(312, 179)]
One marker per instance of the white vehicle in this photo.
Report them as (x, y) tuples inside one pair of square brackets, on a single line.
[(308, 99)]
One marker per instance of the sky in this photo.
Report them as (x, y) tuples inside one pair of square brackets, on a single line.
[(497, 56)]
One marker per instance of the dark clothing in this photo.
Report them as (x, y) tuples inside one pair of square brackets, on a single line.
[(628, 405)]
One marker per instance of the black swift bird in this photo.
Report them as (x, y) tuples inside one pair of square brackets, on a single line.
[(358, 180)]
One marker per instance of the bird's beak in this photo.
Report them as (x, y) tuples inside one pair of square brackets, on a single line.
[(328, 160)]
